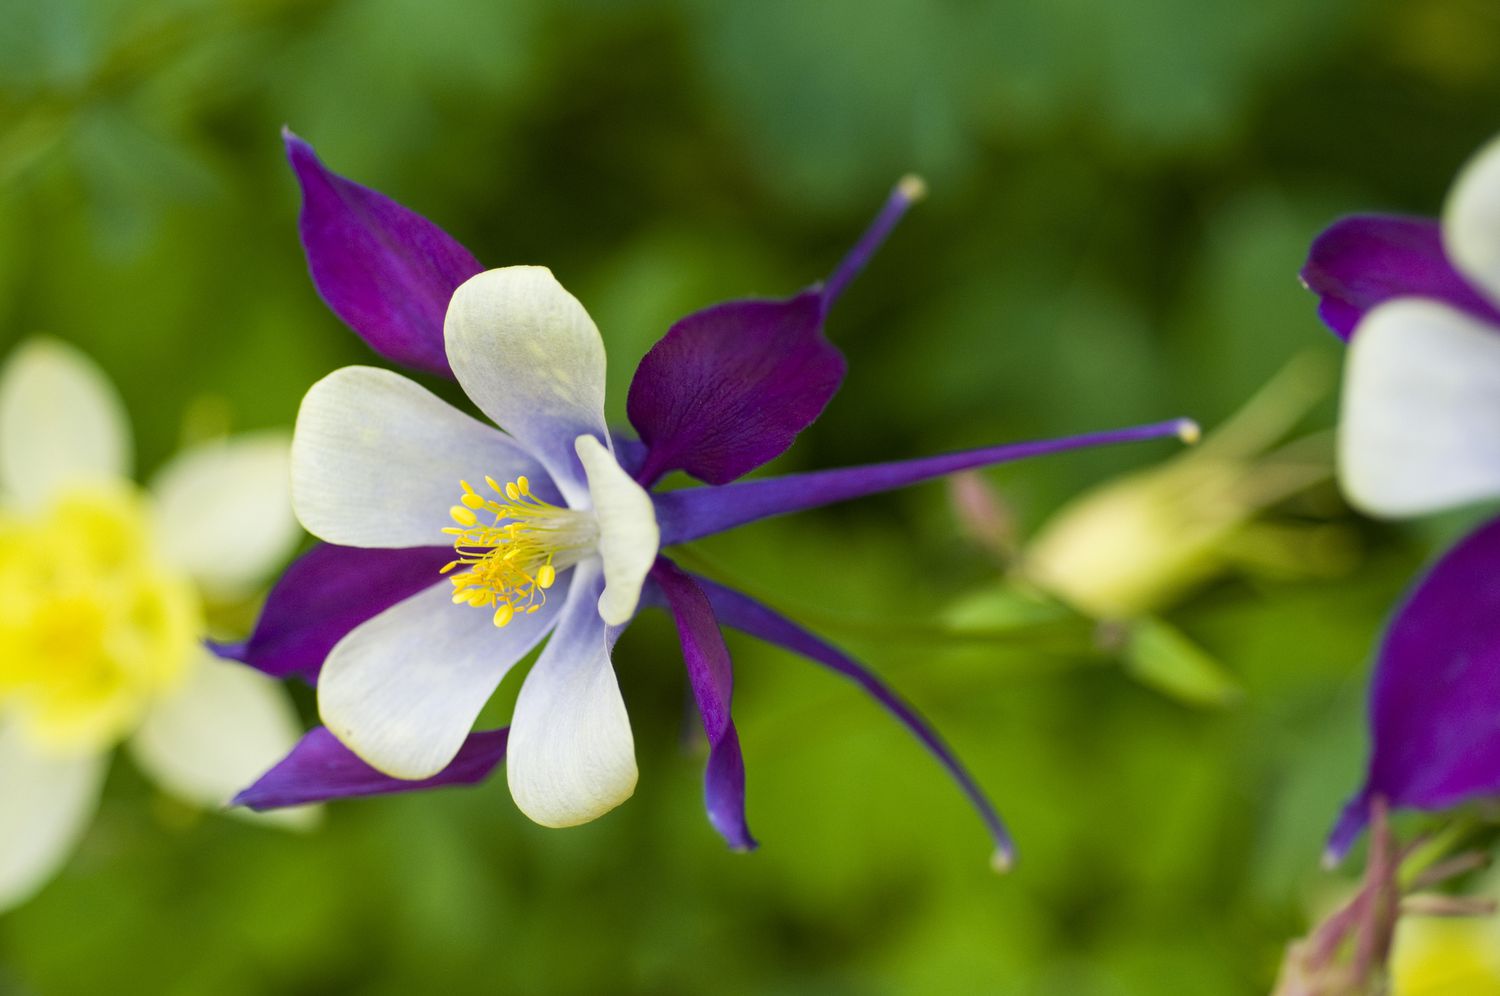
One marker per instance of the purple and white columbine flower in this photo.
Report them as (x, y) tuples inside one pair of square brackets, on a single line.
[(455, 547), (1420, 432)]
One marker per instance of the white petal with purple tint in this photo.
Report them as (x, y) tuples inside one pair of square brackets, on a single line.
[(572, 756), (628, 534), (403, 689), (1471, 221), (530, 357), (377, 460), (1420, 429)]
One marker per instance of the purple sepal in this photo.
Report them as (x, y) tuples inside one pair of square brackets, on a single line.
[(1434, 707), (382, 268), (326, 593), (711, 676), (1363, 260), (749, 616), (692, 513), (729, 388), (321, 768)]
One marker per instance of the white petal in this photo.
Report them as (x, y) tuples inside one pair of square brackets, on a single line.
[(216, 734), (1420, 428), (403, 689), (45, 806), (628, 535), (1471, 221), (61, 422), (376, 460), (223, 511), (530, 357), (571, 757)]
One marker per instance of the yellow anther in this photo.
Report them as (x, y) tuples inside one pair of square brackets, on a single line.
[(448, 567), (508, 563)]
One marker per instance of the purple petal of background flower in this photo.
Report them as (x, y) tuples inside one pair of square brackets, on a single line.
[(320, 768), (1434, 706), (382, 268), (326, 593), (1361, 261), (729, 388), (711, 675), (749, 616), (692, 513)]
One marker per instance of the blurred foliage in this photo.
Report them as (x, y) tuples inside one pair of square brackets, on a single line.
[(1122, 193)]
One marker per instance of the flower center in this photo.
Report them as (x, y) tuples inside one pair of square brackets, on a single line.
[(512, 561), (92, 628)]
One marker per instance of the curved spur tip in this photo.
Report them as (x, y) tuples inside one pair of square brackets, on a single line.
[(1189, 431)]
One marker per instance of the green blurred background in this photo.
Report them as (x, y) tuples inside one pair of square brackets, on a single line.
[(1122, 193)]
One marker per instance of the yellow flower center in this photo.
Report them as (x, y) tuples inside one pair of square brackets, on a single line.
[(511, 561), (91, 626)]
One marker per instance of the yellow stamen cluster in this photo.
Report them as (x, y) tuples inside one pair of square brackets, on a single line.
[(513, 560)]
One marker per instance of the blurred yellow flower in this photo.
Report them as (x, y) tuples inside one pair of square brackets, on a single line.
[(1446, 957), (102, 594)]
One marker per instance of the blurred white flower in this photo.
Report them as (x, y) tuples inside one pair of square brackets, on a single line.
[(102, 592)]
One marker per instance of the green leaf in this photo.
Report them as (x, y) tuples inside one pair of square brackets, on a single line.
[(1161, 657)]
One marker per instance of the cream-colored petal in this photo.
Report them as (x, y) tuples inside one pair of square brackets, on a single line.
[(61, 423), (529, 356), (571, 756), (46, 803), (403, 689), (376, 460), (628, 534), (1420, 428), (223, 511), (218, 732), (1471, 221)]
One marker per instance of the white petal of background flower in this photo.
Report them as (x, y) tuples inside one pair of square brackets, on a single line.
[(530, 357), (629, 537), (1420, 427), (223, 511), (571, 756), (217, 733), (1471, 221), (376, 460), (61, 422), (45, 807), (403, 689)]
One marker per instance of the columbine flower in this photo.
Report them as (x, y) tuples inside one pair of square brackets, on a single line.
[(459, 547), (1420, 431), (102, 591)]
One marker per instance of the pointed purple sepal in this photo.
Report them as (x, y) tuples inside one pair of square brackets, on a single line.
[(692, 513), (1364, 260), (711, 675), (749, 616), (321, 768), (326, 593), (1435, 696), (385, 270), (729, 388)]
